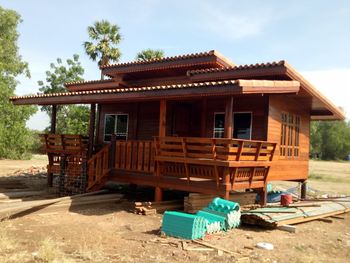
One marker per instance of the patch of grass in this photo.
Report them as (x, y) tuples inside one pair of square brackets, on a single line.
[(328, 178), (7, 242), (300, 248), (9, 247), (49, 251), (92, 252)]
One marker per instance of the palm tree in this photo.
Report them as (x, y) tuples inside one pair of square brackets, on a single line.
[(105, 37), (148, 54)]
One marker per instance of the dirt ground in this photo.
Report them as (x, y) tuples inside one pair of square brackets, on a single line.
[(109, 233)]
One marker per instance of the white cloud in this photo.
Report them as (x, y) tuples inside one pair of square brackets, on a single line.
[(234, 24), (334, 84)]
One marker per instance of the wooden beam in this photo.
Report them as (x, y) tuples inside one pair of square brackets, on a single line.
[(91, 129), (98, 123), (162, 118), (229, 118), (204, 117), (53, 119), (162, 133), (53, 131), (303, 189)]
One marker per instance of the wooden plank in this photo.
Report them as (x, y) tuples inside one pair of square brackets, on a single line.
[(140, 155), (134, 155), (229, 117), (288, 228)]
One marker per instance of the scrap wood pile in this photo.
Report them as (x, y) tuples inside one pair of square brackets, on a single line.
[(33, 177), (219, 215), (303, 211), (151, 208), (195, 202), (10, 208)]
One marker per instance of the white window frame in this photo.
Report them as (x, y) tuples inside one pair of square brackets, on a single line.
[(251, 122), (115, 125)]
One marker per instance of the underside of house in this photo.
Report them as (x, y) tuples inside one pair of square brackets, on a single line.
[(196, 123)]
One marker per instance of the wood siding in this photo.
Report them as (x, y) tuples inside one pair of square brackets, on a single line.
[(295, 168), (184, 118), (257, 105)]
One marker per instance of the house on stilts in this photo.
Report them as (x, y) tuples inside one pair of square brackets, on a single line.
[(195, 122)]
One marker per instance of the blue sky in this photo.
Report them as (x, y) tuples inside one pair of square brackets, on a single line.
[(313, 36)]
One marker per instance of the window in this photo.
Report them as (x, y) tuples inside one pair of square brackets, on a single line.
[(116, 124), (290, 130), (242, 125), (219, 125)]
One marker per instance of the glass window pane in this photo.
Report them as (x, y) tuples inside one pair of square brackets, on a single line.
[(122, 127), (242, 125), (219, 125), (109, 126)]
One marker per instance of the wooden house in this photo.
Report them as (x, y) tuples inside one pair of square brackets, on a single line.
[(193, 122)]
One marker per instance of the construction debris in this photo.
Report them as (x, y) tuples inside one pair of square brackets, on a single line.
[(278, 217), (15, 209), (195, 202), (151, 208), (288, 228), (20, 194), (219, 215), (265, 245)]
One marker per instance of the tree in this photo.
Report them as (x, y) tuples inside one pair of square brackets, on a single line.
[(105, 37), (14, 136), (330, 140), (71, 119), (148, 54)]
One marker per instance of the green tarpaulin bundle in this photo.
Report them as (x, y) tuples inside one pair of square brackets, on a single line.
[(184, 225)]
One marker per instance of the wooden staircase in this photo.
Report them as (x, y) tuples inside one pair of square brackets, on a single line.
[(98, 169)]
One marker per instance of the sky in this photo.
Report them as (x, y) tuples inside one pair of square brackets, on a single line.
[(313, 35)]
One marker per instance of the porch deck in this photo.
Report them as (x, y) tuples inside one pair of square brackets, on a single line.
[(204, 165)]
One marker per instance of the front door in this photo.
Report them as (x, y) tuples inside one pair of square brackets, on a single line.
[(184, 120)]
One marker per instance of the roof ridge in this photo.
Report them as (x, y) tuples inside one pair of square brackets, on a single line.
[(79, 82), (189, 55)]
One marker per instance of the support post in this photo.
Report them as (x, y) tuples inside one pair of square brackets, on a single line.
[(229, 118), (91, 129), (263, 196), (53, 131), (98, 121), (303, 189), (53, 119), (111, 160), (162, 132), (204, 118)]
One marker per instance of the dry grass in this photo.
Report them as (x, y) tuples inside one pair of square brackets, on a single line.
[(49, 252), (9, 247), (330, 171), (7, 242)]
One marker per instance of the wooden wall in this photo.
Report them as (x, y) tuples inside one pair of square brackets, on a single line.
[(257, 105), (184, 117), (282, 168)]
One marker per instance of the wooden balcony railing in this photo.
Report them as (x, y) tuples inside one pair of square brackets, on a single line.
[(240, 163), (98, 166), (135, 155)]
